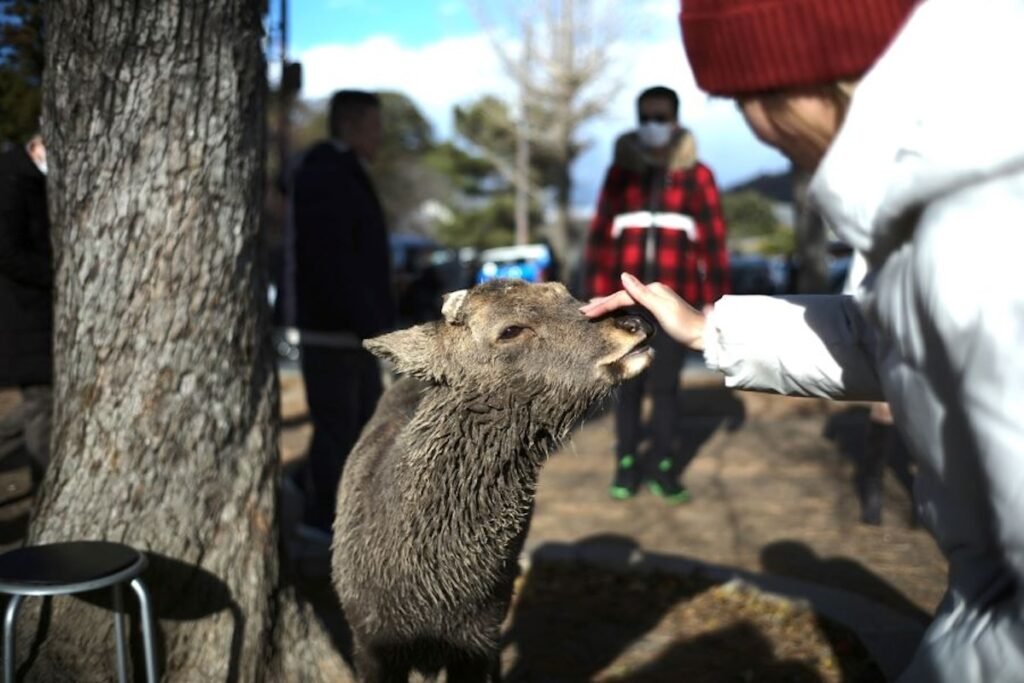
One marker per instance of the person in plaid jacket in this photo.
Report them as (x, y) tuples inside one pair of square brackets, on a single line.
[(658, 218)]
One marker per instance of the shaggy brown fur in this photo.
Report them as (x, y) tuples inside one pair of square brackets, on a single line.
[(437, 495)]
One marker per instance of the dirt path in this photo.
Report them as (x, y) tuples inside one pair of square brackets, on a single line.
[(771, 493)]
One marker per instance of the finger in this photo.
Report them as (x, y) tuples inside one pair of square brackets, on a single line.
[(640, 292), (607, 304), (593, 301)]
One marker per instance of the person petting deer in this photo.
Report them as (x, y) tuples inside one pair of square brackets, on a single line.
[(871, 95)]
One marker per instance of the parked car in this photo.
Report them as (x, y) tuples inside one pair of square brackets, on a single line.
[(423, 271), (530, 262), (757, 274)]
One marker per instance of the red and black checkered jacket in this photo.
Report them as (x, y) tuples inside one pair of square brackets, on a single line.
[(659, 224)]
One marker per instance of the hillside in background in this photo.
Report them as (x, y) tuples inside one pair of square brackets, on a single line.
[(778, 187)]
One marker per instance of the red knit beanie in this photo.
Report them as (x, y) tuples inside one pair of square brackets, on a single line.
[(746, 46)]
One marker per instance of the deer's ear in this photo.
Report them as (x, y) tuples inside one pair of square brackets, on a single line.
[(415, 351), (452, 307)]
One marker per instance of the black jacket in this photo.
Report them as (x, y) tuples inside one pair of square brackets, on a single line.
[(26, 273), (342, 258)]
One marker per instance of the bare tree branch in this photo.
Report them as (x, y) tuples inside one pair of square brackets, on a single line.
[(555, 72)]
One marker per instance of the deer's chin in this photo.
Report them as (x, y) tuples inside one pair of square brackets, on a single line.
[(632, 364), (635, 362)]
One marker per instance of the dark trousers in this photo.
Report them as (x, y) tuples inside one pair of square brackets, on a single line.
[(883, 446), (342, 389), (662, 378), (27, 425)]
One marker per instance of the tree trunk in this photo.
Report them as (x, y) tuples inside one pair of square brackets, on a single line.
[(165, 423), (560, 238)]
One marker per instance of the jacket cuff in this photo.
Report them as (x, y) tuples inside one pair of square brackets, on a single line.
[(718, 354)]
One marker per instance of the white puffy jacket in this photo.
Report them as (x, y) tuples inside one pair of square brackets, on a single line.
[(926, 180)]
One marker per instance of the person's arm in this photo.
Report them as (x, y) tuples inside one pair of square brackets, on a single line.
[(811, 345), (712, 252), (600, 257), (799, 346), (25, 266)]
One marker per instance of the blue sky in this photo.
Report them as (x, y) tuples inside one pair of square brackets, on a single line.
[(412, 22), (438, 54)]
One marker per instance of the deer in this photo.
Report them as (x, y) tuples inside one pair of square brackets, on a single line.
[(436, 498)]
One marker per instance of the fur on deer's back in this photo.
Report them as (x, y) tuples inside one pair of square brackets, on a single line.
[(437, 494)]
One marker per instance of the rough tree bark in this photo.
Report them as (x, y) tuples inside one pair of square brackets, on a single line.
[(166, 395)]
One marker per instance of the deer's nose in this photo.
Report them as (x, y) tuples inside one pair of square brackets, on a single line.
[(634, 324)]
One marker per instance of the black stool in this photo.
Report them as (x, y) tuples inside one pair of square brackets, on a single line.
[(77, 567)]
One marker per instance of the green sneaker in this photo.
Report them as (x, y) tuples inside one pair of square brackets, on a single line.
[(667, 487), (627, 479)]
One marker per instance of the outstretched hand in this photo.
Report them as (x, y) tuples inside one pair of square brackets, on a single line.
[(680, 320)]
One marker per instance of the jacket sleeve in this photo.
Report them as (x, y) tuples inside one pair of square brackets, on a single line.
[(712, 250), (600, 256), (23, 265), (798, 346)]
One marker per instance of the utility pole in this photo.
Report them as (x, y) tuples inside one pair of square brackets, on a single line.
[(289, 86), (284, 93)]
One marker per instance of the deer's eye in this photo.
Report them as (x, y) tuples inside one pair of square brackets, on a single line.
[(511, 332)]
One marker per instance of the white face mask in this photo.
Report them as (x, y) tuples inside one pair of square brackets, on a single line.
[(41, 165), (654, 134)]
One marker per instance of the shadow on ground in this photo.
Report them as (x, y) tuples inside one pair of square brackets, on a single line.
[(306, 565), (577, 621), (796, 560), (848, 429)]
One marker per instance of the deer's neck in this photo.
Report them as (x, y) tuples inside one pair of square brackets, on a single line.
[(477, 458)]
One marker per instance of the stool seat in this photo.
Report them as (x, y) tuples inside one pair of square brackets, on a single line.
[(77, 567), (71, 567)]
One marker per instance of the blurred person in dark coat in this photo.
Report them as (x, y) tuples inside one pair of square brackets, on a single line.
[(26, 300), (342, 287)]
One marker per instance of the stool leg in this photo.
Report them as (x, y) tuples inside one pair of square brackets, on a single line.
[(147, 628), (10, 617), (122, 659)]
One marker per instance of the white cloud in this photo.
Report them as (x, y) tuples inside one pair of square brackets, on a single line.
[(454, 70), (437, 76)]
